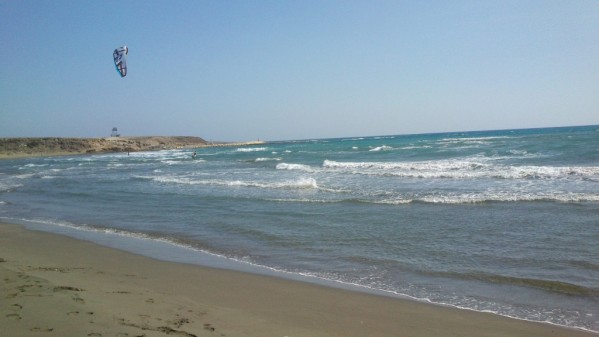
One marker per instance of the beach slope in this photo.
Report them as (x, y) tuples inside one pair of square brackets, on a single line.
[(59, 286)]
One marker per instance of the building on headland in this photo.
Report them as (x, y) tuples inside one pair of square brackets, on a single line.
[(115, 132)]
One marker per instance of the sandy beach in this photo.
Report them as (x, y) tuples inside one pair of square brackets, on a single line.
[(59, 286)]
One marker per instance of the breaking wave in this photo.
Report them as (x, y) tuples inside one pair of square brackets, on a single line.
[(477, 198), (251, 149), (462, 169), (295, 167), (300, 183), (381, 148)]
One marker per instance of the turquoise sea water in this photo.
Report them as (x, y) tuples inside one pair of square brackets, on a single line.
[(499, 221)]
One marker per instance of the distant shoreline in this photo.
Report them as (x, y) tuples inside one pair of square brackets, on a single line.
[(12, 148)]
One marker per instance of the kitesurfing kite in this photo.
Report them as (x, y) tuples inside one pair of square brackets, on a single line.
[(120, 60)]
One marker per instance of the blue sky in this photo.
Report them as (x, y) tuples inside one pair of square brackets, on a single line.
[(277, 70)]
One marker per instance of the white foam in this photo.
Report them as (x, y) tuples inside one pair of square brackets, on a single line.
[(251, 149), (413, 147), (294, 167), (477, 140), (463, 169), (305, 200), (6, 186), (35, 165), (476, 198), (24, 176), (172, 162), (299, 183), (381, 148)]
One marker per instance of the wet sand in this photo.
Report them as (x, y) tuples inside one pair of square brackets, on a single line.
[(58, 286)]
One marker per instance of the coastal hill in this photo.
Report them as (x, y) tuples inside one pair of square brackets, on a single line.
[(33, 147)]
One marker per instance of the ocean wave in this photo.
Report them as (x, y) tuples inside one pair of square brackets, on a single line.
[(84, 227), (305, 200), (8, 186), (381, 148), (295, 167), (462, 169), (24, 176), (477, 140), (261, 159), (462, 199), (512, 197), (479, 198), (172, 162), (414, 147), (299, 183), (33, 165), (251, 149)]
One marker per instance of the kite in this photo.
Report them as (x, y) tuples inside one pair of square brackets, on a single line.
[(120, 60)]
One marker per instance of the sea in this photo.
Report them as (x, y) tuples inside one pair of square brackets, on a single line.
[(505, 222)]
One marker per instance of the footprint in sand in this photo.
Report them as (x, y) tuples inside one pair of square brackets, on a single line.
[(78, 299), (180, 322), (94, 334), (14, 317), (67, 288)]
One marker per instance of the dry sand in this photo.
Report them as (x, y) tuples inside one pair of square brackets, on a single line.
[(58, 286)]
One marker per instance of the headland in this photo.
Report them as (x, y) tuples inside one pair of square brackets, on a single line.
[(53, 146)]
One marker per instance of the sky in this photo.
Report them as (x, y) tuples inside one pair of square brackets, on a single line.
[(282, 70)]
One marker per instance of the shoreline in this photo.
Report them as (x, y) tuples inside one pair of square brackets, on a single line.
[(15, 148), (58, 285)]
